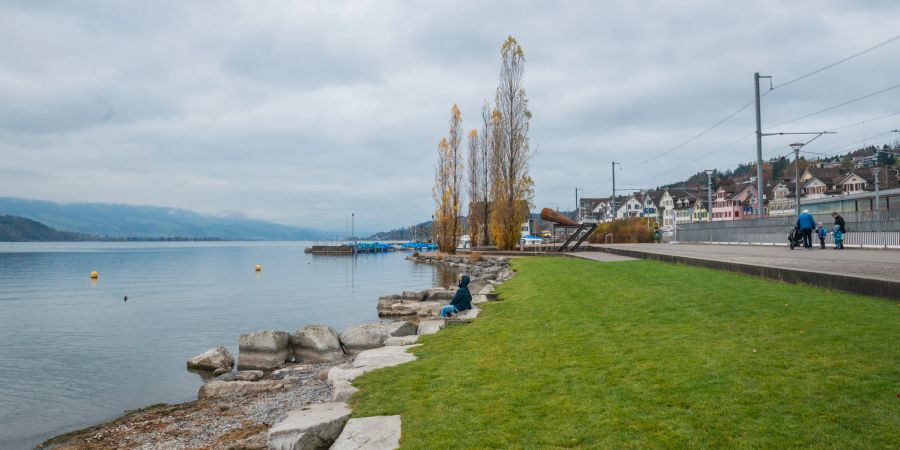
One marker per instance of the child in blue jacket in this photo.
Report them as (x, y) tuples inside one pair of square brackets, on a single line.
[(838, 238), (822, 233)]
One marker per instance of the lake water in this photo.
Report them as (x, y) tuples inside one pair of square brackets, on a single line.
[(74, 354)]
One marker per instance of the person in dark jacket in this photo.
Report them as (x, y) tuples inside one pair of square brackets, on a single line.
[(461, 301), (839, 222), (806, 223)]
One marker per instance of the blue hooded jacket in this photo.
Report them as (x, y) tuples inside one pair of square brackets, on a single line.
[(806, 221), (463, 299)]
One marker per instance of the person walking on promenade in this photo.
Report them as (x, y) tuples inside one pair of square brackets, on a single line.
[(806, 223), (822, 233), (461, 301), (839, 225)]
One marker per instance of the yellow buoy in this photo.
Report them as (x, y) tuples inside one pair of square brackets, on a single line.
[(258, 268), (94, 275)]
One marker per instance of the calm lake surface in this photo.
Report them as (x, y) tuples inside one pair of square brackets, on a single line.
[(74, 354)]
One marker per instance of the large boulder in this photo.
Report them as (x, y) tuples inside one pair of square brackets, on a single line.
[(440, 294), (244, 375), (370, 433), (317, 343), (413, 295), (398, 310), (316, 426), (431, 308), (212, 360), (218, 388), (264, 350), (388, 300), (372, 335), (400, 328)]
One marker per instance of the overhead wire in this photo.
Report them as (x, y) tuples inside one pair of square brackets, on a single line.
[(838, 62), (771, 89), (787, 83), (835, 106)]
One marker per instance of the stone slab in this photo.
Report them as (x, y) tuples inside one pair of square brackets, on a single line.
[(342, 391), (430, 326), (316, 426), (401, 340), (370, 433)]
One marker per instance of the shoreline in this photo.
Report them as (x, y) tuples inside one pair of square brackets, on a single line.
[(242, 419)]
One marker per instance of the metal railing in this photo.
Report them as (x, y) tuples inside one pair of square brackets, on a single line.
[(864, 229)]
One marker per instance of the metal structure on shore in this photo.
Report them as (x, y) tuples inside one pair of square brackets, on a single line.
[(579, 231)]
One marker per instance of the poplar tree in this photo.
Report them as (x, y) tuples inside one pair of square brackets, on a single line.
[(485, 153), (474, 189), (448, 184), (511, 184)]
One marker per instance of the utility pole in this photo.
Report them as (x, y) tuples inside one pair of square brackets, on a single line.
[(797, 146), (709, 174), (877, 171), (613, 202), (353, 230), (759, 160)]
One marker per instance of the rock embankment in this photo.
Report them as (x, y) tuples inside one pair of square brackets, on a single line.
[(289, 391), (483, 275)]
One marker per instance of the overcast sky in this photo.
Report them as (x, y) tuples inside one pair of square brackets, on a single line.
[(301, 112)]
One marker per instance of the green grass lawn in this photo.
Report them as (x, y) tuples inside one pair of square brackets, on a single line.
[(642, 354)]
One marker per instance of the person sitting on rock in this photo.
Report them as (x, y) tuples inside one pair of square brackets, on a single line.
[(461, 301)]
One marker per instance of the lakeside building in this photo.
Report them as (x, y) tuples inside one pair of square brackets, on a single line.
[(825, 187), (682, 205), (781, 199), (734, 202)]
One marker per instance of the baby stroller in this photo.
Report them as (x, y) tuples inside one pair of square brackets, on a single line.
[(794, 238)]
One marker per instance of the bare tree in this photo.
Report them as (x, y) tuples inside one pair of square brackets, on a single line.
[(512, 185)]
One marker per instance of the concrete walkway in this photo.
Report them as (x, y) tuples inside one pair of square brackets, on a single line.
[(601, 256), (871, 272)]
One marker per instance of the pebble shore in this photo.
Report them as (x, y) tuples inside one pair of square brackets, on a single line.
[(227, 422)]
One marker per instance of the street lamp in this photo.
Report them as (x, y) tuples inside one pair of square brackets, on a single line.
[(709, 174), (797, 146), (577, 206), (876, 171)]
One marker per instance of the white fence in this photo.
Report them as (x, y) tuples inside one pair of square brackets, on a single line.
[(871, 229)]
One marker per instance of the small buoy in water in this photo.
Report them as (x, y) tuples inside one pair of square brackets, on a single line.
[(94, 275), (258, 268)]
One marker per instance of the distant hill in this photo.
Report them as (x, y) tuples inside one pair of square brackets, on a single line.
[(130, 221), (420, 231), (20, 229)]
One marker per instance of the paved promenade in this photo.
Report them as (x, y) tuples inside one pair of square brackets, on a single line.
[(874, 272), (883, 264)]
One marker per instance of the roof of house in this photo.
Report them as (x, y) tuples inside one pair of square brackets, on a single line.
[(828, 176)]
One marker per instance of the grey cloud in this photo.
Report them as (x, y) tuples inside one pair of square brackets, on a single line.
[(302, 112)]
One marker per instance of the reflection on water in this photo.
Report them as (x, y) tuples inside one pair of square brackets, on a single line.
[(75, 353), (445, 276)]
